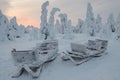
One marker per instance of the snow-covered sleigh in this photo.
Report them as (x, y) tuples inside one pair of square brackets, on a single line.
[(81, 53), (33, 61)]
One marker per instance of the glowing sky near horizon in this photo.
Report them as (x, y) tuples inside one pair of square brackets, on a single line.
[(28, 11)]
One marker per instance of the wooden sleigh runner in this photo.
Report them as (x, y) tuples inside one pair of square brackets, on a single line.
[(33, 61), (81, 53)]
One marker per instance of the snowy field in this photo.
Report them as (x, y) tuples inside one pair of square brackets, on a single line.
[(60, 27), (106, 67)]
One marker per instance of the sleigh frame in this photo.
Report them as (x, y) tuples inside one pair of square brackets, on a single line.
[(82, 53), (33, 61)]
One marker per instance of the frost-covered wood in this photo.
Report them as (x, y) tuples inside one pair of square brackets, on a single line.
[(104, 44), (78, 48), (34, 60), (94, 45), (46, 50), (81, 53), (23, 57)]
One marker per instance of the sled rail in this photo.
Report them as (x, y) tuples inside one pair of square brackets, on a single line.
[(36, 58), (82, 53)]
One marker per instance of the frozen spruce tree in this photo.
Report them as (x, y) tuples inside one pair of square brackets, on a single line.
[(4, 24), (57, 27), (29, 31), (34, 33), (68, 30), (104, 33), (44, 25), (21, 29), (111, 23), (66, 26), (14, 28), (98, 24), (51, 23), (80, 26), (118, 27), (90, 22), (63, 18)]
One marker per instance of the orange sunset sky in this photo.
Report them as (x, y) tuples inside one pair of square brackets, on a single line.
[(28, 12)]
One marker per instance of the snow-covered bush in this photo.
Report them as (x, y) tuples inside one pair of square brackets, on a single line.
[(4, 27)]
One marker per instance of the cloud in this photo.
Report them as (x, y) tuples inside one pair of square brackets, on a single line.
[(4, 5), (29, 11)]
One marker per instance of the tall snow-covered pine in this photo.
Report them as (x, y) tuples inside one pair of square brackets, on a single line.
[(90, 22)]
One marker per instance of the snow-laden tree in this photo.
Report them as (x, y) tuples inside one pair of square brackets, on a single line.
[(31, 36), (68, 30), (30, 32), (4, 24), (90, 22), (21, 29), (98, 24), (66, 26), (103, 32), (106, 32), (51, 23), (118, 27), (111, 23), (57, 27), (80, 26), (34, 33), (118, 24), (28, 29), (10, 31), (44, 25), (14, 32), (63, 18), (110, 27)]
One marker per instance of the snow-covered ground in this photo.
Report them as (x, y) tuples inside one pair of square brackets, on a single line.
[(106, 67)]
